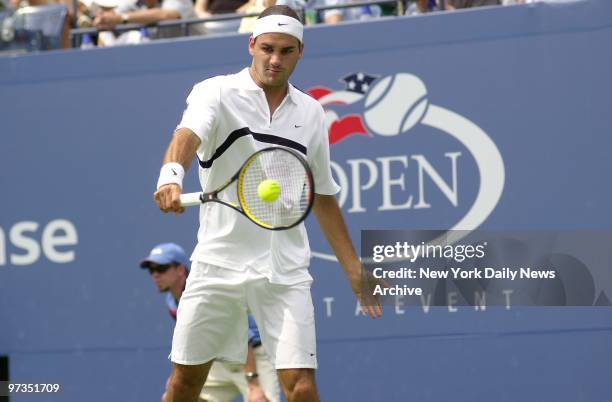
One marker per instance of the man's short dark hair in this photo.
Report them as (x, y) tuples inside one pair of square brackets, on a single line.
[(279, 10)]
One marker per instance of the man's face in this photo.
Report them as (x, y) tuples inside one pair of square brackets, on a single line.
[(165, 276), (275, 56)]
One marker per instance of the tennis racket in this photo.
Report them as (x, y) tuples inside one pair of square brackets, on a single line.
[(291, 174)]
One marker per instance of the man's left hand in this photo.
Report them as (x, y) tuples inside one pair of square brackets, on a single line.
[(363, 284)]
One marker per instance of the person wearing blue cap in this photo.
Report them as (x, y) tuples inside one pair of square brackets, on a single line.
[(257, 380)]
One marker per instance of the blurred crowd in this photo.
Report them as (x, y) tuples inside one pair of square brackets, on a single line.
[(106, 15), (425, 6)]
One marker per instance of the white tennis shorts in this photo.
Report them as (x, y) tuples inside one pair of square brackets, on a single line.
[(212, 318)]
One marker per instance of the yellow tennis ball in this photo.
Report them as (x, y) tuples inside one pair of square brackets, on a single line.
[(269, 190)]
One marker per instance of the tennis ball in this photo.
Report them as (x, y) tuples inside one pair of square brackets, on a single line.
[(395, 104), (269, 190)]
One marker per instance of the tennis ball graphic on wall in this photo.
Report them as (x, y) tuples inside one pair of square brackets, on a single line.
[(395, 104)]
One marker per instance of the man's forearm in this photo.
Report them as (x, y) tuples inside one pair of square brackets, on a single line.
[(152, 15), (256, 392), (250, 366), (329, 216), (182, 148)]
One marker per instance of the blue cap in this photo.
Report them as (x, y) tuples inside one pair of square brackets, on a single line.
[(166, 253)]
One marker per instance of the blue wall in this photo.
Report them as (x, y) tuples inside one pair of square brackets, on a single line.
[(519, 96)]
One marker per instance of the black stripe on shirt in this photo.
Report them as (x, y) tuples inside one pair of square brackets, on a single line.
[(241, 132)]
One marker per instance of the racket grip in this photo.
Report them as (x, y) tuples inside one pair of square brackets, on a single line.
[(190, 199)]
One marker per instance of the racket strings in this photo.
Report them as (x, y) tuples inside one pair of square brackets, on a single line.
[(295, 188)]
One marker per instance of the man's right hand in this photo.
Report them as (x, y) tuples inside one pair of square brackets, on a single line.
[(168, 198)]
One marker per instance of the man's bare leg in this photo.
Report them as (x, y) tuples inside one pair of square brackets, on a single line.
[(299, 385), (186, 382)]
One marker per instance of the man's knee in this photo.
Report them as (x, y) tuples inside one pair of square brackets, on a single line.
[(187, 381), (304, 391), (299, 385)]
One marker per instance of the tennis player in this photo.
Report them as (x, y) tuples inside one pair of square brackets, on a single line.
[(236, 265)]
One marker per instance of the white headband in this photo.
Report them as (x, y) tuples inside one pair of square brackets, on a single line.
[(279, 24)]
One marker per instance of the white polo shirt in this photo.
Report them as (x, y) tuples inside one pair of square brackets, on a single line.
[(231, 116)]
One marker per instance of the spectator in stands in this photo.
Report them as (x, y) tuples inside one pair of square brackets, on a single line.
[(333, 16), (361, 13), (207, 8), (510, 2), (65, 41), (252, 7), (210, 8), (457, 4), (15, 4), (296, 5), (117, 12), (422, 6)]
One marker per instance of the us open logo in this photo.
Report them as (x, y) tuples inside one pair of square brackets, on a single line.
[(387, 115)]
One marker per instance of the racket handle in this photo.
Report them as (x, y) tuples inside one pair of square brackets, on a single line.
[(190, 199)]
